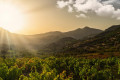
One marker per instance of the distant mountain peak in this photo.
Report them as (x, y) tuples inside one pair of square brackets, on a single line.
[(57, 32), (83, 33), (86, 27), (77, 29)]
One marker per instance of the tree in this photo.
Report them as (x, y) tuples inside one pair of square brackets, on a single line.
[(4, 50)]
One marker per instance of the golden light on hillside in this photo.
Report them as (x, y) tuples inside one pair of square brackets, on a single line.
[(11, 17)]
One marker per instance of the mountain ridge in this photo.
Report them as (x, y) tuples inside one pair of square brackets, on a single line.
[(107, 41), (40, 40)]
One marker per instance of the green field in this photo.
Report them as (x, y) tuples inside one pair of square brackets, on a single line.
[(53, 68)]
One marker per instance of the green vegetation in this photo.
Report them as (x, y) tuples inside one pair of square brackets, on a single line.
[(97, 58), (105, 42), (52, 68)]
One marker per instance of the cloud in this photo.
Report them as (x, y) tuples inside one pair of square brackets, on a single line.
[(117, 14), (81, 15), (62, 3), (107, 10), (103, 8), (70, 9), (111, 2)]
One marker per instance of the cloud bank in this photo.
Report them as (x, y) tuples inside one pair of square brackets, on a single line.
[(103, 8)]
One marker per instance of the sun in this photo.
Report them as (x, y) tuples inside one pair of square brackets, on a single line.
[(11, 18)]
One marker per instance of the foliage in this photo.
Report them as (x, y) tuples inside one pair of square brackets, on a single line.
[(52, 68)]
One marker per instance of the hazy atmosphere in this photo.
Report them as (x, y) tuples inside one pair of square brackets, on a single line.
[(40, 16)]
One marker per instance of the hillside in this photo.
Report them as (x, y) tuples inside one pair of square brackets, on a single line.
[(107, 41), (60, 44)]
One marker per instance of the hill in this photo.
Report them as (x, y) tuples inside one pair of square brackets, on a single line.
[(107, 41), (60, 44)]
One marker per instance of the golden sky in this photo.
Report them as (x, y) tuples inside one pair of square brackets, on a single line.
[(42, 16)]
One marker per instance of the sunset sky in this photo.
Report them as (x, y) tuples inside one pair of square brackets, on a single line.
[(40, 16)]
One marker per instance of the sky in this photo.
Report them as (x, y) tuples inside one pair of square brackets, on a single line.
[(42, 16)]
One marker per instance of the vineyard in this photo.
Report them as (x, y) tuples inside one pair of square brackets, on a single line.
[(59, 69)]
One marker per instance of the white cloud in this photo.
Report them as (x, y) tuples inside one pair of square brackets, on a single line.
[(107, 10), (99, 7), (61, 4), (87, 5), (70, 9), (117, 14), (81, 15)]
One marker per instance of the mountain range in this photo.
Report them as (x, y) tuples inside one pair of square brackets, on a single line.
[(107, 41), (85, 40), (40, 41)]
